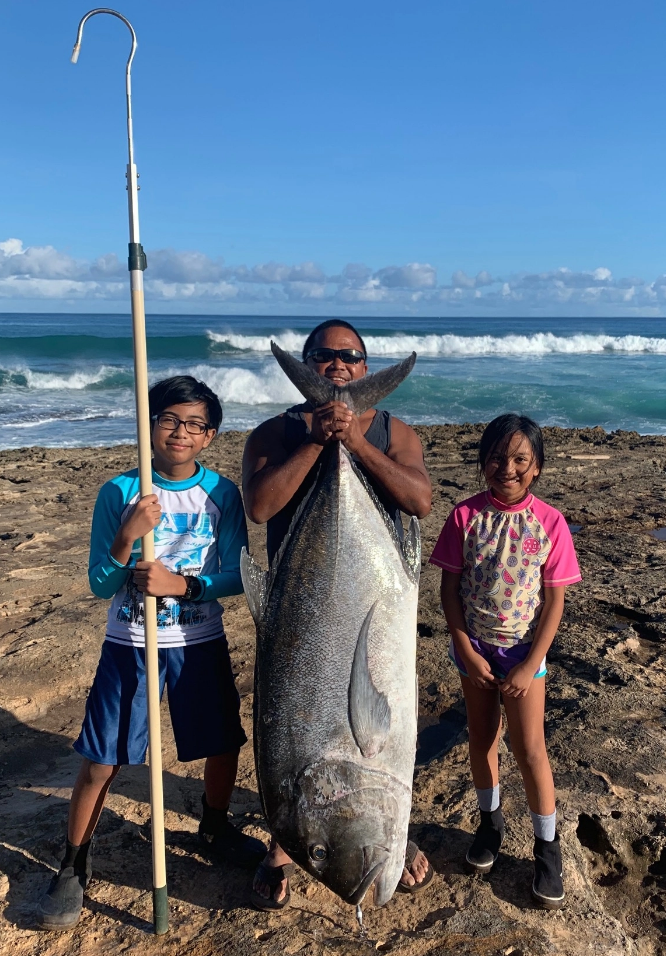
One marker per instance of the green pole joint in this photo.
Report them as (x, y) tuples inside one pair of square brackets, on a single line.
[(160, 910)]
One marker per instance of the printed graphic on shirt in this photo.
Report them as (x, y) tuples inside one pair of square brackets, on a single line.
[(501, 583), (171, 612), (182, 541)]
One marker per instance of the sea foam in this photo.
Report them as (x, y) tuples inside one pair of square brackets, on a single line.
[(540, 343)]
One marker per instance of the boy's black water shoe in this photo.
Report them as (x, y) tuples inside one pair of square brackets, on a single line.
[(223, 841), (60, 907)]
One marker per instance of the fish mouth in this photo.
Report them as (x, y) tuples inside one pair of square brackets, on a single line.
[(370, 853)]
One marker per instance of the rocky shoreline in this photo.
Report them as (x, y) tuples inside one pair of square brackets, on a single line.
[(606, 729)]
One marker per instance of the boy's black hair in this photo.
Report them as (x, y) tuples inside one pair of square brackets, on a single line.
[(329, 324), (498, 433), (184, 390)]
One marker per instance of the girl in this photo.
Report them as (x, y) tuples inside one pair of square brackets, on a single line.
[(506, 558)]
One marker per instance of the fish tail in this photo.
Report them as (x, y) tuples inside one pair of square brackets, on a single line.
[(360, 395)]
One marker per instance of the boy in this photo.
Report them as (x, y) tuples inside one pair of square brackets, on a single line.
[(199, 531)]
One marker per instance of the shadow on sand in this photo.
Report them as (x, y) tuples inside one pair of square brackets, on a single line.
[(33, 826)]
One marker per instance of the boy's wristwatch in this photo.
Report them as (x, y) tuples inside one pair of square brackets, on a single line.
[(195, 588)]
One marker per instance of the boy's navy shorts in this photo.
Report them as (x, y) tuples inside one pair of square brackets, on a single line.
[(203, 703)]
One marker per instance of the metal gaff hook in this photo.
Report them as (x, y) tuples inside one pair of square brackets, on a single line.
[(132, 175)]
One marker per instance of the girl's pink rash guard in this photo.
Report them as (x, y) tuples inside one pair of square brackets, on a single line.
[(505, 555)]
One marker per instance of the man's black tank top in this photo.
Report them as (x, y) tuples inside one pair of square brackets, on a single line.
[(295, 433)]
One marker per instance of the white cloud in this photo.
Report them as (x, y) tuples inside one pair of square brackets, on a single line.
[(460, 280), (46, 274), (11, 247), (414, 275), (172, 266)]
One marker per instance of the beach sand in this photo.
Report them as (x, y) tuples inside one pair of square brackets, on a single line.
[(606, 729)]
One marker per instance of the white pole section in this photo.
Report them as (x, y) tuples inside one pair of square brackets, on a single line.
[(137, 264)]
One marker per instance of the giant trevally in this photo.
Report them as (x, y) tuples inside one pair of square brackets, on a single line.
[(335, 679)]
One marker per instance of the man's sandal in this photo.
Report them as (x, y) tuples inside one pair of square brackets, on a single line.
[(410, 856), (272, 876)]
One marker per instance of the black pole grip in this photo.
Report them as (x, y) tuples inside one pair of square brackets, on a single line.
[(137, 257)]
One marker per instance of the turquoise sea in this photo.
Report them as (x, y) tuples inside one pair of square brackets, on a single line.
[(66, 380)]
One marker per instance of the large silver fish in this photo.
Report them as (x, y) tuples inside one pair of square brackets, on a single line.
[(335, 680)]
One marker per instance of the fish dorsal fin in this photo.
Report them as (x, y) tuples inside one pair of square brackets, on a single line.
[(411, 547), (369, 711), (360, 395), (255, 584)]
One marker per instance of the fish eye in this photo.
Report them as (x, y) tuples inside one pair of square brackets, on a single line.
[(318, 852)]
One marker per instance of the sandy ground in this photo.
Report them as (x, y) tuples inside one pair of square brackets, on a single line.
[(606, 729)]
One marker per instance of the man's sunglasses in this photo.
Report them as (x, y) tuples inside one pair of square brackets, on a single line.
[(324, 356)]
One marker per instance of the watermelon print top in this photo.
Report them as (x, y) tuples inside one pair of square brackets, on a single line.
[(506, 555)]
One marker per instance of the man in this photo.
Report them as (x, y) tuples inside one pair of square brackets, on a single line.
[(279, 466)]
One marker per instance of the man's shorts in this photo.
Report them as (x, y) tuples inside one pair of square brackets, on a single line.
[(501, 659), (203, 703)]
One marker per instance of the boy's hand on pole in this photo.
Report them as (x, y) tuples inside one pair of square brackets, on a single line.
[(143, 518), (155, 580)]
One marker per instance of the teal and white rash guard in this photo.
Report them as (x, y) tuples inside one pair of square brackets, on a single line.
[(201, 533)]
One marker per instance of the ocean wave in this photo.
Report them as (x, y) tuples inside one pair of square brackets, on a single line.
[(106, 376), (540, 343), (240, 386), (231, 341), (67, 415)]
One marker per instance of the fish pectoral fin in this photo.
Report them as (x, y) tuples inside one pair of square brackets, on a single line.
[(369, 711), (254, 585)]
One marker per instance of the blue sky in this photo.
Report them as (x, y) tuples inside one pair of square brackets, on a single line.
[(437, 157)]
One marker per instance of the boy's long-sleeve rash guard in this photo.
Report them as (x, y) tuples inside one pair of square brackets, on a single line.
[(201, 533)]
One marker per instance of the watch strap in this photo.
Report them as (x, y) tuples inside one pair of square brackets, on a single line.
[(195, 588)]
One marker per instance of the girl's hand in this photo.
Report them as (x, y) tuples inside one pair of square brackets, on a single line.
[(518, 680), (154, 580), (144, 517), (479, 672)]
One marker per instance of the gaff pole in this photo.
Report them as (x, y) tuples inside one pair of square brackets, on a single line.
[(136, 264)]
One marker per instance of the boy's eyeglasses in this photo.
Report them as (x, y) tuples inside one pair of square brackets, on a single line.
[(323, 356), (171, 423)]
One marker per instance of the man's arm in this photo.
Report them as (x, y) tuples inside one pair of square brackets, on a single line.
[(271, 477), (401, 471)]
